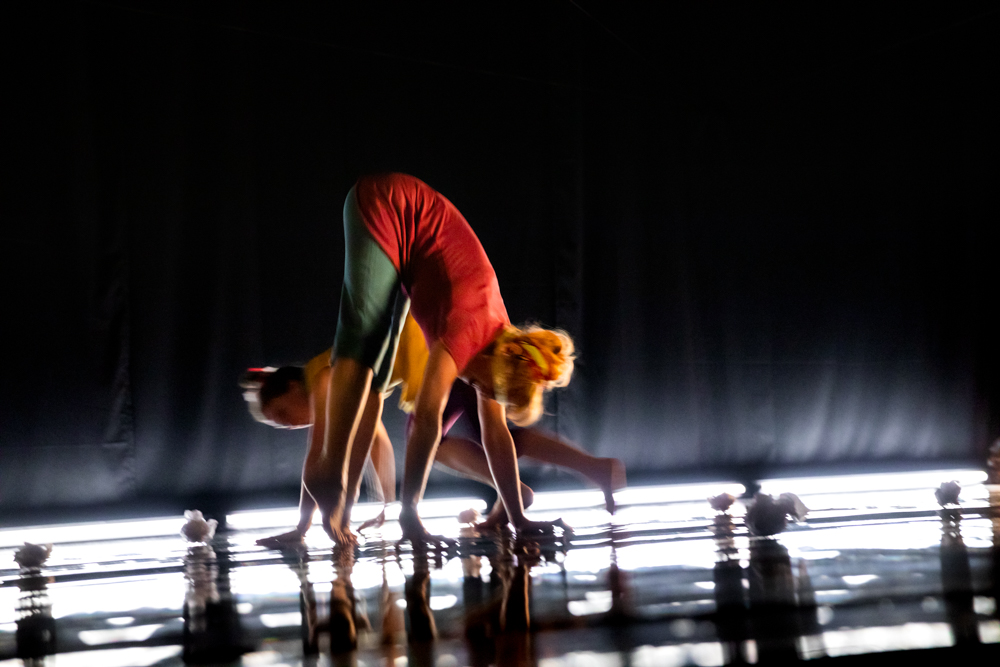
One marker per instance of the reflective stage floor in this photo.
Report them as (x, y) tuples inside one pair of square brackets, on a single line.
[(877, 565)]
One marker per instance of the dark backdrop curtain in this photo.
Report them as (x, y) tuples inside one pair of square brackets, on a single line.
[(767, 261)]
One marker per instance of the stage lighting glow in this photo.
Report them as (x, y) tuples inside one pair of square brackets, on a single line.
[(263, 580), (160, 592), (877, 640), (873, 482), (289, 516), (133, 656), (120, 620), (284, 620), (594, 602), (580, 658), (706, 654), (438, 602), (984, 606), (137, 633), (698, 554), (91, 532), (676, 493)]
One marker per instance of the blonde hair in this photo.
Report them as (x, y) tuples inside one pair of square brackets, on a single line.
[(526, 362)]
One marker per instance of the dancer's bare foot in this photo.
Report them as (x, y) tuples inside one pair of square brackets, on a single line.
[(498, 517), (377, 522), (541, 527), (610, 476), (291, 538)]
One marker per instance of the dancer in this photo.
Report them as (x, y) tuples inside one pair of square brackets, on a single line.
[(295, 397), (286, 398), (405, 244)]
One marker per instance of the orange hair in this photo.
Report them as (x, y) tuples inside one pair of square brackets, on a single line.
[(526, 362)]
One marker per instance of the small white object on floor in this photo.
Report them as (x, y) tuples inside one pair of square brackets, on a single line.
[(947, 493), (470, 515), (32, 555), (722, 502), (794, 507), (197, 529), (767, 516)]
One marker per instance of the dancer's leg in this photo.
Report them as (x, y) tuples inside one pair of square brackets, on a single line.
[(468, 458), (325, 473), (371, 418), (369, 298), (607, 473), (384, 462)]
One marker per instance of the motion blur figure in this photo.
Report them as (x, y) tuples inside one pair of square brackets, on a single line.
[(292, 397), (407, 246)]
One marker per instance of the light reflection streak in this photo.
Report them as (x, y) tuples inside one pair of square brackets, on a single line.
[(91, 532), (133, 656), (688, 546), (136, 633), (289, 516), (706, 654), (878, 640), (699, 554), (873, 482), (161, 593), (282, 620)]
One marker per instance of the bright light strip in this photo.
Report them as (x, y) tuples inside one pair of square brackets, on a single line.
[(674, 493), (594, 602), (136, 633), (284, 620), (895, 481), (707, 654), (438, 602), (877, 640), (91, 532), (133, 656), (289, 516), (159, 592), (120, 620)]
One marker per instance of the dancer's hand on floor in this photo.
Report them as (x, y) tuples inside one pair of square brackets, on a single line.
[(291, 538), (414, 531), (341, 534)]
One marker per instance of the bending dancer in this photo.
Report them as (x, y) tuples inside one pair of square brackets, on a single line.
[(407, 246), (296, 396), (289, 397)]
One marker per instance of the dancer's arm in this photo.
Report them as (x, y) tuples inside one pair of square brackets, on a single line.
[(325, 474), (502, 457), (307, 504), (439, 375)]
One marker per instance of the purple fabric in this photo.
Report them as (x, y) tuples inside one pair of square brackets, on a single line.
[(462, 404)]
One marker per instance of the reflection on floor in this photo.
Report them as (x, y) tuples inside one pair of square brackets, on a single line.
[(877, 565)]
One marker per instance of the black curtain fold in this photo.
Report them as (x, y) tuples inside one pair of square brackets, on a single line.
[(762, 269)]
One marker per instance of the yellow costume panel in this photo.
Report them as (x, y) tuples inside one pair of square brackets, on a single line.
[(408, 369)]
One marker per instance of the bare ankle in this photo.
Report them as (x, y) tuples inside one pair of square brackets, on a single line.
[(527, 496)]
